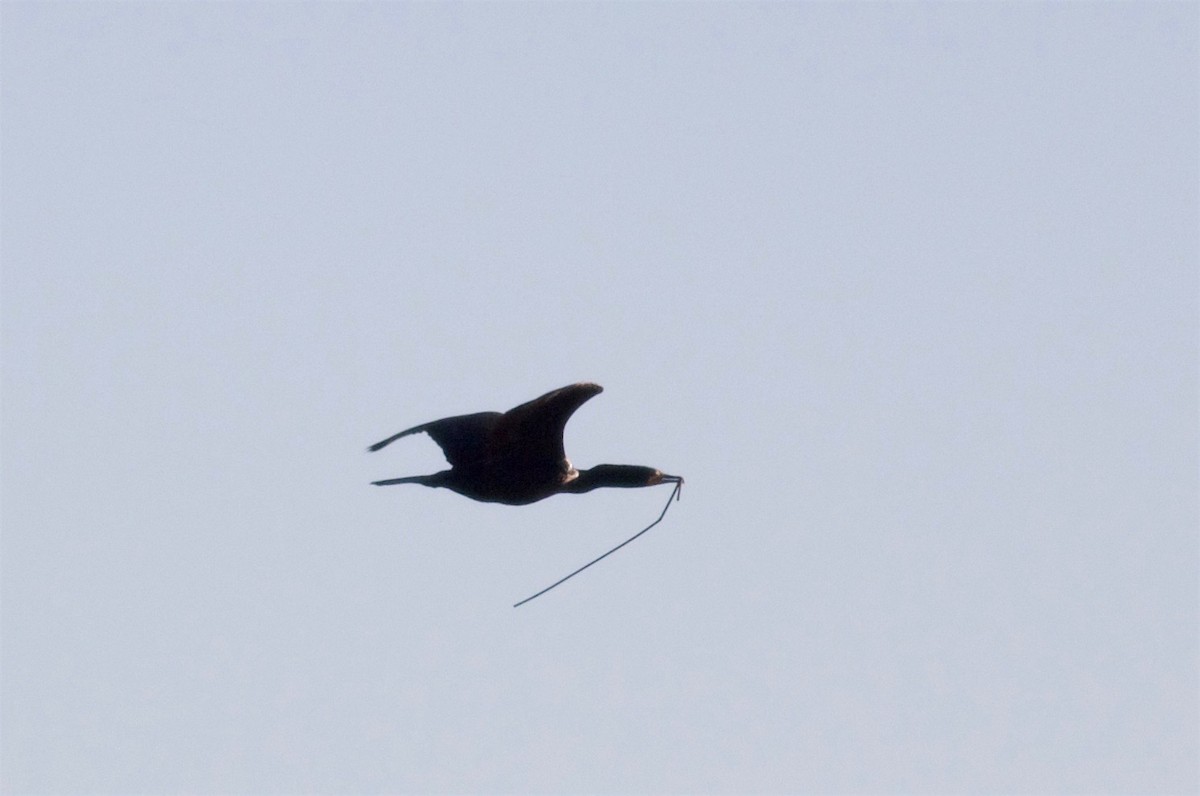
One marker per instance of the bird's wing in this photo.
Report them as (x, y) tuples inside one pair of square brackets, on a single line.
[(532, 433), (463, 439)]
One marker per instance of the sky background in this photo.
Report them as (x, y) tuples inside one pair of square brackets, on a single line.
[(907, 292)]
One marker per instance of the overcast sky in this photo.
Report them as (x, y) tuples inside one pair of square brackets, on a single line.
[(907, 292)]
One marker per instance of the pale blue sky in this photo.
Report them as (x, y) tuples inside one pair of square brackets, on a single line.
[(907, 292)]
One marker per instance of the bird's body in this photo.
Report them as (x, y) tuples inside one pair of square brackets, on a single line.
[(517, 457)]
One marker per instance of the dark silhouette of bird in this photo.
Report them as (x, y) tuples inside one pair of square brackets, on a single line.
[(517, 457)]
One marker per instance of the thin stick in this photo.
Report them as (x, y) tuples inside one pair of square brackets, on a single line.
[(674, 495)]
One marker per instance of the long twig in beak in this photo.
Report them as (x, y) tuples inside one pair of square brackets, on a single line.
[(675, 494)]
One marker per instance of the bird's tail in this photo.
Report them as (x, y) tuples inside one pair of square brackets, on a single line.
[(424, 480)]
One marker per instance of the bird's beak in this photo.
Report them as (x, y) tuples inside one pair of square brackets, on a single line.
[(672, 479)]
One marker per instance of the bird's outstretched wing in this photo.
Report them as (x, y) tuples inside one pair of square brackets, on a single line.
[(526, 438), (463, 439), (532, 434)]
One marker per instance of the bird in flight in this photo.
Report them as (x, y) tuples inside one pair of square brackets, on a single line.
[(517, 457)]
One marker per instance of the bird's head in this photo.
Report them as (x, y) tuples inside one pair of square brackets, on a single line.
[(625, 476)]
